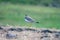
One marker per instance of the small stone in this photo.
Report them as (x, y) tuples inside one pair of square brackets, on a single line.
[(57, 35), (34, 30), (12, 29), (45, 39), (1, 28), (28, 29), (11, 35), (46, 31), (19, 29)]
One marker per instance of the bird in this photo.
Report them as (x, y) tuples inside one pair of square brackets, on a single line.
[(29, 19)]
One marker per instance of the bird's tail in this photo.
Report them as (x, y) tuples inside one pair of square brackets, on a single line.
[(37, 22)]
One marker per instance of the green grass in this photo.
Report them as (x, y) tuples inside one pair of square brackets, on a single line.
[(49, 17)]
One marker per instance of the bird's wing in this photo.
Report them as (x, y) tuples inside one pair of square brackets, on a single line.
[(29, 19)]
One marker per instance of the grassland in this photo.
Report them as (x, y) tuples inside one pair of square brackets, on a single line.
[(13, 14)]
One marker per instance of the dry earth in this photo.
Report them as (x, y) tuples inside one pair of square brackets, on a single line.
[(29, 34)]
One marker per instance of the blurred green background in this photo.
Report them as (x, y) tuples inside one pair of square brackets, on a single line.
[(47, 12)]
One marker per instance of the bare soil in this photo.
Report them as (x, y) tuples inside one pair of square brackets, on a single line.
[(30, 34)]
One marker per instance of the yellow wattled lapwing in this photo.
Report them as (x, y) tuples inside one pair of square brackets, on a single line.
[(30, 20)]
